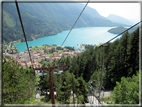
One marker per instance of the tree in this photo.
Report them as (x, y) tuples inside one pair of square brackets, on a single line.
[(59, 48), (74, 85), (67, 61), (96, 76), (82, 91), (127, 91), (124, 54), (45, 85), (133, 53), (18, 83), (64, 90)]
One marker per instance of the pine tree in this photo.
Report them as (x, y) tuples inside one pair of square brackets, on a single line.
[(74, 85), (18, 83), (64, 90), (45, 85), (124, 54), (82, 92), (68, 60), (134, 53)]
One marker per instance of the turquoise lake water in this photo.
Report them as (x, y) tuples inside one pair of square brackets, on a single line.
[(87, 35)]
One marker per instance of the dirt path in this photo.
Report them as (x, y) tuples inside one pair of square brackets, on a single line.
[(38, 95), (94, 101), (105, 93)]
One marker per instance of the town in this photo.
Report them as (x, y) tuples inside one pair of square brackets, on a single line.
[(47, 53)]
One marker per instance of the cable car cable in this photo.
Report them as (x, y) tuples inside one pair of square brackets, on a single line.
[(23, 30), (75, 22)]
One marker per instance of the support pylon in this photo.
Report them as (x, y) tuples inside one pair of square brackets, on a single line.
[(50, 69)]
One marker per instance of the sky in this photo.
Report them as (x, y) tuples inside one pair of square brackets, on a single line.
[(130, 11), (127, 10)]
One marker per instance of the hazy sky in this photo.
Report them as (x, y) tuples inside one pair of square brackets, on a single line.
[(126, 10)]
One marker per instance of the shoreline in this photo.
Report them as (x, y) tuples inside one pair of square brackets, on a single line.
[(42, 41), (65, 30), (53, 45), (16, 43)]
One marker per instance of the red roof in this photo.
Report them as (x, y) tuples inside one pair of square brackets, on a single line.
[(55, 58)]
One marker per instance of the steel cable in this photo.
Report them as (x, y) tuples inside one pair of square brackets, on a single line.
[(75, 22), (23, 30)]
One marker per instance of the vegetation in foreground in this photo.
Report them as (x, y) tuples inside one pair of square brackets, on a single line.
[(125, 92), (121, 64), (18, 83)]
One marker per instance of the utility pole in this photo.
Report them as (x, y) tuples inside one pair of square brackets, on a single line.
[(50, 69)]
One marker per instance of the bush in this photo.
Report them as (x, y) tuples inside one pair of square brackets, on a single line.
[(18, 83), (127, 91)]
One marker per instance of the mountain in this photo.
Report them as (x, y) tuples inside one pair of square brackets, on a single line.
[(121, 29), (119, 19), (44, 19), (117, 30)]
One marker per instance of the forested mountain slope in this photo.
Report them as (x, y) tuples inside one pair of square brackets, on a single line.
[(121, 59), (44, 19)]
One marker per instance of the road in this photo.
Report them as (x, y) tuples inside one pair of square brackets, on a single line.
[(104, 94), (38, 95), (94, 102)]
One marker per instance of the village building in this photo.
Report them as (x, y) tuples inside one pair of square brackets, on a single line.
[(65, 50), (47, 59), (41, 51), (55, 54), (23, 65), (26, 51), (60, 55), (55, 58), (37, 55), (8, 56)]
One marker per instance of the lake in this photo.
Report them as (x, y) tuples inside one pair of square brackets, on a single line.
[(87, 35)]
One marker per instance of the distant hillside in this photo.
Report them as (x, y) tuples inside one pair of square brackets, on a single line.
[(121, 29), (44, 19), (119, 19)]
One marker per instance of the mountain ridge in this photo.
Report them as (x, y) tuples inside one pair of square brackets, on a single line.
[(119, 19), (44, 19)]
